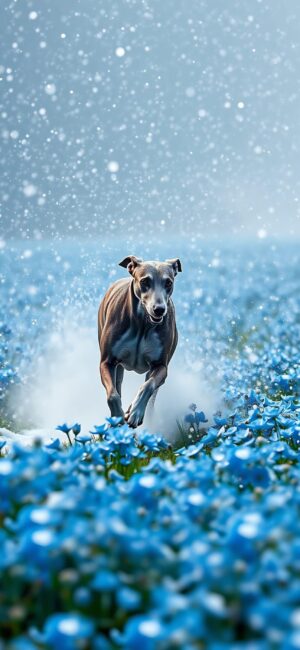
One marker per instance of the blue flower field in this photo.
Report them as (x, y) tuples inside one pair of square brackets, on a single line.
[(113, 538)]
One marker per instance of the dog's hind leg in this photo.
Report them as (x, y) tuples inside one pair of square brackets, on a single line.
[(119, 378), (108, 378)]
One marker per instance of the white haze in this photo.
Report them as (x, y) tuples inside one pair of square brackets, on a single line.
[(64, 386)]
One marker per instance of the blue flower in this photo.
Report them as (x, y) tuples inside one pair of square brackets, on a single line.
[(83, 437), (105, 580), (200, 417), (100, 430), (128, 599), (55, 444), (141, 632), (220, 421), (68, 631), (64, 428), (114, 421), (189, 418)]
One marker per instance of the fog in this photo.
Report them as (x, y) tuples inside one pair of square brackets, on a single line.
[(64, 385)]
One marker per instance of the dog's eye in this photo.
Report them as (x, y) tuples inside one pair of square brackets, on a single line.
[(145, 284), (169, 284)]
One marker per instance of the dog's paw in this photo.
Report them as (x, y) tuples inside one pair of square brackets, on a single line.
[(134, 417)]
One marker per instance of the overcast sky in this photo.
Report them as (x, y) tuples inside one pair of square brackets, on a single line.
[(168, 116)]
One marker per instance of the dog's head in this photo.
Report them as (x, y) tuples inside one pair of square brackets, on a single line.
[(152, 283)]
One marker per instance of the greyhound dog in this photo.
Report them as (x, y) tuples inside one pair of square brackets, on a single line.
[(137, 331)]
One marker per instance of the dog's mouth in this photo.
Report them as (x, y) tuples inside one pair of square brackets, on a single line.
[(156, 319)]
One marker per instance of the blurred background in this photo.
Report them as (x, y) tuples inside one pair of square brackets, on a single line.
[(150, 118)]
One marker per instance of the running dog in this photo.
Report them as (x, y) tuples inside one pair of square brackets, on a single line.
[(137, 331)]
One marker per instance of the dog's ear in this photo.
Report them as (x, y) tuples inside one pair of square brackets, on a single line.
[(130, 263), (176, 265)]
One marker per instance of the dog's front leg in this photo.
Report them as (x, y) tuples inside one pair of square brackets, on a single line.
[(108, 373), (136, 412)]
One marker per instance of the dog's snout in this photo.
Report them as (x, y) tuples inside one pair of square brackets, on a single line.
[(158, 311)]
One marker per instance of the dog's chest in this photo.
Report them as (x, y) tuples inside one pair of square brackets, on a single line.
[(137, 351)]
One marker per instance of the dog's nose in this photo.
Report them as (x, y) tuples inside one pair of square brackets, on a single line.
[(158, 311)]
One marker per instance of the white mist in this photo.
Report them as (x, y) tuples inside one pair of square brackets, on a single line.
[(64, 386)]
